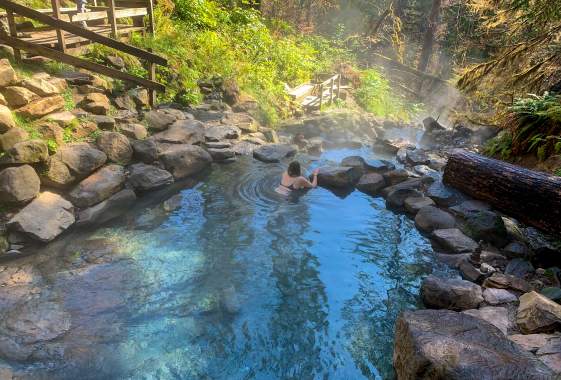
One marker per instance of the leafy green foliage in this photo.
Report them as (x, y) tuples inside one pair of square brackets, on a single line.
[(500, 146), (376, 96)]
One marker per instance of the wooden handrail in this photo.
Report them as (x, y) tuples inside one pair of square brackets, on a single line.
[(17, 43), (82, 32)]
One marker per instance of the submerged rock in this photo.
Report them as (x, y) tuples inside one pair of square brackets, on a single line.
[(445, 345), (114, 206), (46, 217), (453, 294), (537, 313), (274, 152)]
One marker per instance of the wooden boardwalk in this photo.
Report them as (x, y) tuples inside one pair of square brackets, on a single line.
[(314, 95), (63, 29)]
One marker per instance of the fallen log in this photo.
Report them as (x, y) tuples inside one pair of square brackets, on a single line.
[(532, 197)]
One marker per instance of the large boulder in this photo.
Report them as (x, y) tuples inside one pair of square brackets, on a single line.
[(98, 186), (11, 138), (159, 120), (338, 177), (19, 184), (222, 132), (145, 150), (430, 218), (116, 146), (56, 174), (81, 158), (414, 204), (183, 160), (221, 154), (486, 225), (453, 294), (28, 152), (497, 316), (18, 96), (41, 107), (182, 132), (274, 152), (537, 313), (7, 121), (443, 195), (453, 240), (371, 183), (114, 206), (46, 217), (144, 177), (445, 345)]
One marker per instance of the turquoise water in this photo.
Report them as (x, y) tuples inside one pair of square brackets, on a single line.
[(238, 283)]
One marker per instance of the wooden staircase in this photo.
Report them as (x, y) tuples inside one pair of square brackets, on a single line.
[(312, 96), (62, 31)]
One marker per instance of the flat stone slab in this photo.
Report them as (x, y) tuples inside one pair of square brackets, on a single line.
[(452, 239), (274, 152)]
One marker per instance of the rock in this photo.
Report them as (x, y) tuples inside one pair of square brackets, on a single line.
[(371, 183), (354, 161), (417, 157), (11, 138), (338, 177), (96, 103), (182, 132), (531, 342), (445, 345), (231, 92), (453, 294), (452, 239), (432, 125), (553, 293), (19, 184), (41, 107), (7, 121), (493, 258), (116, 62), (519, 268), (116, 146), (396, 176), (487, 226), (103, 122), (550, 354), (28, 152), (98, 186), (545, 248), (430, 218), (144, 177), (222, 132), (184, 160), (134, 131), (498, 296), (51, 131), (56, 174), (125, 102), (410, 184), (274, 152), (414, 204), (140, 97), (470, 272), (443, 195), (241, 120), (221, 154), (86, 89), (497, 316), (516, 249), (46, 207), (537, 313), (396, 199), (7, 73), (505, 281), (401, 155), (270, 135), (379, 166), (393, 146), (41, 87), (113, 207), (145, 150), (18, 96), (159, 120), (81, 158)]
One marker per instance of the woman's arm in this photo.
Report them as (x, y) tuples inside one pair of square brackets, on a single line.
[(304, 183)]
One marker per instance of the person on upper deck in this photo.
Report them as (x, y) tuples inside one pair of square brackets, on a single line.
[(292, 179)]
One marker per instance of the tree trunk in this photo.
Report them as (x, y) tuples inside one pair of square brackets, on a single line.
[(428, 41), (532, 197)]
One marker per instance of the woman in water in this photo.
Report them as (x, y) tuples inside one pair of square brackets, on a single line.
[(292, 179)]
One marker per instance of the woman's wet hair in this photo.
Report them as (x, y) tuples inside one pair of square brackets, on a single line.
[(294, 169)]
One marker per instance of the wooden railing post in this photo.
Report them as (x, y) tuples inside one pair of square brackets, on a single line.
[(339, 86), (152, 65), (320, 96), (331, 90), (112, 18), (13, 33), (59, 33)]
